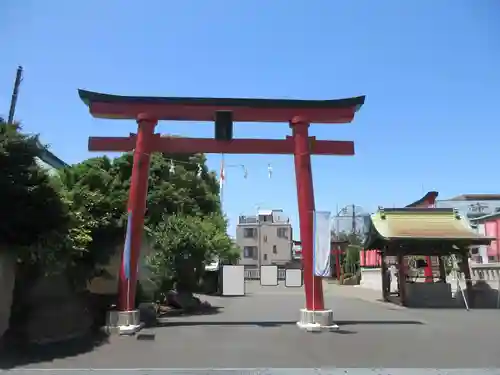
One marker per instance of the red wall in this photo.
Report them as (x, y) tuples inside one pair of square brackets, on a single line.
[(372, 258), (492, 229)]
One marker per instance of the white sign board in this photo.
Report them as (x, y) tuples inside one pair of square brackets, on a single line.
[(293, 278), (233, 280), (269, 275)]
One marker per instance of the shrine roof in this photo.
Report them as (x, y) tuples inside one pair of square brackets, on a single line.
[(49, 158), (427, 199), (421, 224), (202, 109)]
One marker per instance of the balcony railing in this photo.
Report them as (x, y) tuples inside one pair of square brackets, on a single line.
[(248, 220)]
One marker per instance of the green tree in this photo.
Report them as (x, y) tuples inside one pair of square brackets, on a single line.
[(355, 242), (183, 244), (42, 230), (180, 189), (39, 235), (98, 197), (98, 189), (31, 203)]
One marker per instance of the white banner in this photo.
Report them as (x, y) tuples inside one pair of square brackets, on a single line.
[(322, 244)]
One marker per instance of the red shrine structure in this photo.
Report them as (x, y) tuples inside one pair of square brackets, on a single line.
[(147, 111), (427, 201)]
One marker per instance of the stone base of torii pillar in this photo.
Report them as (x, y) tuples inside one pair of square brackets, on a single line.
[(123, 322), (317, 320)]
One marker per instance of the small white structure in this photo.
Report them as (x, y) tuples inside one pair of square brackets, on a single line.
[(371, 278), (233, 280), (269, 275), (293, 278)]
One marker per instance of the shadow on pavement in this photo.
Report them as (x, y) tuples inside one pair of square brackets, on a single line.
[(341, 331), (264, 324), (378, 322), (211, 310), (14, 355), (279, 323)]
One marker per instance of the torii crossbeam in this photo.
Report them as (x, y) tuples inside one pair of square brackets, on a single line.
[(148, 110)]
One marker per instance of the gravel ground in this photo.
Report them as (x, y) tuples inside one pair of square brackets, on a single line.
[(259, 331)]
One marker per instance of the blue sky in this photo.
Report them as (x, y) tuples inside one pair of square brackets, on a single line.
[(429, 69)]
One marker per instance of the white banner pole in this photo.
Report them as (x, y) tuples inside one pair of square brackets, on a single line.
[(314, 262)]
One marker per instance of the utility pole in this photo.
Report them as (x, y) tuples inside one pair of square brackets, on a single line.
[(15, 92), (259, 245), (354, 218)]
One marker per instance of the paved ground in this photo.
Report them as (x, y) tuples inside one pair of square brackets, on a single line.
[(259, 330)]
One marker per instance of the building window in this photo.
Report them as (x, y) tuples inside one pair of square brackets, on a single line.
[(265, 256), (250, 252), (249, 232), (265, 238), (282, 232), (275, 250)]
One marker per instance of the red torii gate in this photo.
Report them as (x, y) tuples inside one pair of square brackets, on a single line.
[(147, 111)]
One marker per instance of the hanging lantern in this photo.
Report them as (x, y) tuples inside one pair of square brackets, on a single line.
[(269, 171), (199, 171), (171, 168), (245, 172)]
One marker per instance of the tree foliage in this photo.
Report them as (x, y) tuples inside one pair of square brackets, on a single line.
[(40, 227), (98, 197), (98, 189), (181, 190), (183, 244), (31, 204), (75, 221), (355, 242)]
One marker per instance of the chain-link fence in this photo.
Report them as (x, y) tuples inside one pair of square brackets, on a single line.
[(349, 219)]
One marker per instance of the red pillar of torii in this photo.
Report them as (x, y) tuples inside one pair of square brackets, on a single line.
[(147, 111)]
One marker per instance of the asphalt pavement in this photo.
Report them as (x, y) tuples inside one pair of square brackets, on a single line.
[(259, 331)]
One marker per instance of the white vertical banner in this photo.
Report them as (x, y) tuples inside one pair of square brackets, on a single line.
[(222, 180), (322, 244)]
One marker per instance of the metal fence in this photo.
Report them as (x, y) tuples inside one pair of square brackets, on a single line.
[(254, 273)]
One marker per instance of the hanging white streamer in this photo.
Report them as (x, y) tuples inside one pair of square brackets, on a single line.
[(321, 248)]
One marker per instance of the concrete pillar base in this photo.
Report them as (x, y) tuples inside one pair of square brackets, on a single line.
[(123, 322), (317, 320)]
